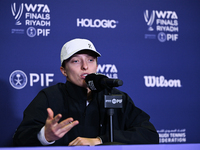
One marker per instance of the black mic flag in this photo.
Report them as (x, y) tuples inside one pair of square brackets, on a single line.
[(98, 82)]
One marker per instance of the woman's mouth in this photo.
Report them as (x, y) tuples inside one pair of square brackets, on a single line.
[(84, 75)]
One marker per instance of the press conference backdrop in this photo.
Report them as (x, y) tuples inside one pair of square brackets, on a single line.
[(153, 46)]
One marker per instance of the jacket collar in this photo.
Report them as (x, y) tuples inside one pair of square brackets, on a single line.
[(76, 92)]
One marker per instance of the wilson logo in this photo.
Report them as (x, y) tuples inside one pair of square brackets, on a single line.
[(152, 81)]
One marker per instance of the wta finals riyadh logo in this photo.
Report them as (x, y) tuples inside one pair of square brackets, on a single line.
[(149, 19), (18, 79), (17, 14)]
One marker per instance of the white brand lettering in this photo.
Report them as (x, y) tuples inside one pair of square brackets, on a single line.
[(34, 78), (107, 68), (166, 14), (152, 81), (37, 7), (97, 23)]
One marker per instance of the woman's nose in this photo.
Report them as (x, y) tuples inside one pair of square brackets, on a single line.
[(84, 65)]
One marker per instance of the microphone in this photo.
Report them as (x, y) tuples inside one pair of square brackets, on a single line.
[(98, 82)]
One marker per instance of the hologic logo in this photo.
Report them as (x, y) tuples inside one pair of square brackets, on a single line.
[(152, 81), (18, 79), (97, 23)]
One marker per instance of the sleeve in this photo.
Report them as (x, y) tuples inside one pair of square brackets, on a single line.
[(34, 119), (132, 125), (42, 139)]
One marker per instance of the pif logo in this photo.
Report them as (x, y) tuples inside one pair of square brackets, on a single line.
[(31, 32), (18, 79)]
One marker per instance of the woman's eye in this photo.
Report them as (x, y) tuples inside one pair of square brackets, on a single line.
[(74, 61), (91, 59)]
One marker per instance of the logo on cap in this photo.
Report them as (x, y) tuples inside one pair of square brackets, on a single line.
[(90, 46)]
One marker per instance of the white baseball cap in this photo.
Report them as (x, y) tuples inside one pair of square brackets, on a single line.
[(74, 46)]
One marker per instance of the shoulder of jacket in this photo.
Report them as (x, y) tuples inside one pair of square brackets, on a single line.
[(54, 91), (54, 88)]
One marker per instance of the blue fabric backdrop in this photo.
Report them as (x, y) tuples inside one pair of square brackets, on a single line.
[(153, 46)]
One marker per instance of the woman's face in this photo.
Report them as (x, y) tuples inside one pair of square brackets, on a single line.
[(78, 67)]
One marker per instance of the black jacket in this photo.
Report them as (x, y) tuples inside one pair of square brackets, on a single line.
[(131, 124)]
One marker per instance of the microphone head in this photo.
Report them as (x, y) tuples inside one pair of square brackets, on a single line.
[(111, 82), (94, 81)]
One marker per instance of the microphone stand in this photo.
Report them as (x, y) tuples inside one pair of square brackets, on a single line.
[(110, 112), (112, 101)]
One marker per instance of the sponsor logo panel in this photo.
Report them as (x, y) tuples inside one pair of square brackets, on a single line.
[(153, 81), (172, 136), (19, 79), (96, 23), (31, 19), (161, 25)]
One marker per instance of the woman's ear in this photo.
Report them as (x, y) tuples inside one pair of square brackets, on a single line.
[(63, 70)]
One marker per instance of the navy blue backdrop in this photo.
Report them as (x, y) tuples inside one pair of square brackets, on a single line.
[(153, 46)]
